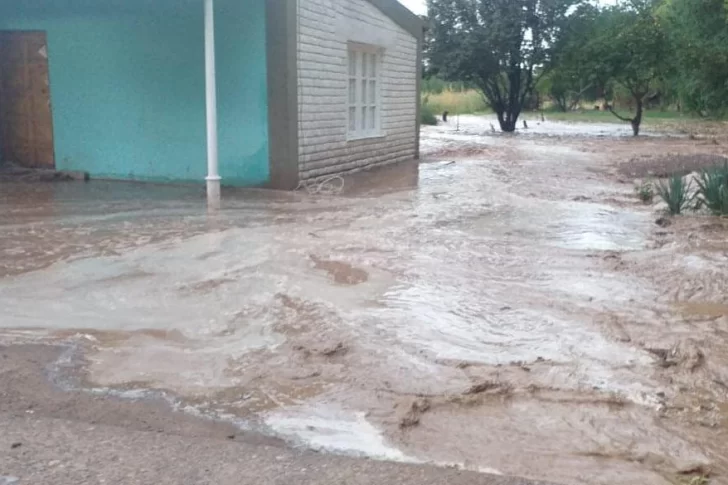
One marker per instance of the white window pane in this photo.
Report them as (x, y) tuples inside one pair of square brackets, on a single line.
[(352, 119), (364, 111), (352, 91), (352, 63)]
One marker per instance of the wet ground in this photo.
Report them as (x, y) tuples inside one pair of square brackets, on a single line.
[(507, 306)]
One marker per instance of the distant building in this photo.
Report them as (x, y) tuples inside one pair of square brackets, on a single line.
[(126, 89)]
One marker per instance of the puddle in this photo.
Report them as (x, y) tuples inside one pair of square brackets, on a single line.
[(320, 318), (334, 430), (469, 126)]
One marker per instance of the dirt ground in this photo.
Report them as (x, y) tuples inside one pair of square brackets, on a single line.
[(53, 435), (508, 306), (34, 382)]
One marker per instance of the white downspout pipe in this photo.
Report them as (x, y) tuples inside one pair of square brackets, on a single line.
[(213, 174)]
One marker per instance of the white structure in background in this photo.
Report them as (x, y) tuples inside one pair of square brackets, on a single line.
[(358, 85)]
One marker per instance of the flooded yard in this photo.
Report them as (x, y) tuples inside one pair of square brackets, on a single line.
[(507, 306)]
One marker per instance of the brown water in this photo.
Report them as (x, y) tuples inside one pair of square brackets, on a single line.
[(510, 310)]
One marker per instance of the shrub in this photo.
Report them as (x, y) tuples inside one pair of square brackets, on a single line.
[(713, 190), (427, 117), (646, 192), (676, 194)]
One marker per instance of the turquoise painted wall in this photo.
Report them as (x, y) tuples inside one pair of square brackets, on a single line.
[(128, 86)]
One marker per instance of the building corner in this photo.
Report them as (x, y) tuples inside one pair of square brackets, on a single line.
[(282, 63)]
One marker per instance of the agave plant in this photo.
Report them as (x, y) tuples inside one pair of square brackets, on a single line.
[(676, 193), (713, 190)]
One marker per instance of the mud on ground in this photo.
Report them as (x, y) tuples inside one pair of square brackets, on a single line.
[(666, 165), (43, 381), (508, 306)]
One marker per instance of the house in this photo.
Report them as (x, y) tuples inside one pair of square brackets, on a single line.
[(243, 92)]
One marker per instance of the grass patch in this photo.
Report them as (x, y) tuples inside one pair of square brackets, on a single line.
[(456, 102)]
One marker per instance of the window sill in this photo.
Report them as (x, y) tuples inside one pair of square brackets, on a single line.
[(365, 136)]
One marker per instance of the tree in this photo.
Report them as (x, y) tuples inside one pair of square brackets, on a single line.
[(629, 48), (570, 77), (500, 46), (698, 34), (564, 88)]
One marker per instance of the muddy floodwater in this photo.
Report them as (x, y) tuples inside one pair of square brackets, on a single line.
[(507, 306)]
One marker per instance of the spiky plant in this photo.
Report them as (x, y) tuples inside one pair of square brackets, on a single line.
[(676, 193), (713, 190)]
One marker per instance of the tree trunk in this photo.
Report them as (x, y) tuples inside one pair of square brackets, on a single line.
[(561, 103), (635, 127), (637, 120), (509, 126), (507, 121)]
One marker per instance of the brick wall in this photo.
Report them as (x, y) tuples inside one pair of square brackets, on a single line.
[(325, 27)]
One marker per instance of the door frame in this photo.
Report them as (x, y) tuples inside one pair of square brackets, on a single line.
[(44, 34)]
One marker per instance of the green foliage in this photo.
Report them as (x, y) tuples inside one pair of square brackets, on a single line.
[(455, 97), (623, 46), (500, 46), (457, 102), (427, 117), (433, 85), (713, 190), (676, 194), (698, 35), (646, 192), (564, 89), (571, 76), (638, 54), (436, 85)]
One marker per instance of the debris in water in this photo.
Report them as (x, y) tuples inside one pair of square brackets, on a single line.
[(696, 469), (685, 354), (482, 387), (663, 222), (342, 273), (338, 349), (413, 412), (334, 350)]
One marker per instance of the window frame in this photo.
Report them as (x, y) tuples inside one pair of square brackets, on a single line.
[(364, 108)]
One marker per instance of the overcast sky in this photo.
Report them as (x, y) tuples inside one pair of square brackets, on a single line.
[(418, 6)]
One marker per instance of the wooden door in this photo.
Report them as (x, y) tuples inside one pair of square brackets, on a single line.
[(26, 125)]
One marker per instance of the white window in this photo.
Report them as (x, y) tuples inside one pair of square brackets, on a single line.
[(364, 99)]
